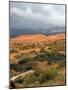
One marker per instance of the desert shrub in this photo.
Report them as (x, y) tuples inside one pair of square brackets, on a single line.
[(57, 46), (37, 72), (20, 68), (24, 60), (62, 63), (17, 67), (40, 57), (49, 57), (20, 80), (29, 80), (33, 51), (13, 50), (49, 74), (24, 46), (49, 62), (13, 66), (33, 46), (61, 78), (28, 66), (33, 78), (57, 57), (17, 56), (43, 50), (41, 77), (38, 76)]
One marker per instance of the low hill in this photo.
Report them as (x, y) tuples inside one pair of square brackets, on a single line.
[(38, 38), (56, 37), (30, 38)]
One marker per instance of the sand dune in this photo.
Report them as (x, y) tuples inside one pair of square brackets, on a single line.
[(30, 38), (38, 38), (56, 37)]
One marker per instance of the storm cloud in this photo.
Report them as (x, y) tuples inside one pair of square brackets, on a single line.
[(37, 17)]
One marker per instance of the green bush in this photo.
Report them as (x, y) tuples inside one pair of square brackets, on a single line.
[(17, 67), (40, 57), (49, 57), (33, 78), (39, 76), (49, 74), (20, 68), (33, 52), (24, 60), (37, 72), (29, 80), (57, 46), (43, 50), (17, 56), (13, 50), (19, 80), (62, 63)]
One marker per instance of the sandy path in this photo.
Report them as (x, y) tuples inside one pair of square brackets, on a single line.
[(23, 74)]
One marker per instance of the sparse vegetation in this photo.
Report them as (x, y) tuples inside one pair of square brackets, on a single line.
[(57, 46), (48, 63), (49, 57), (23, 60), (20, 80), (13, 50), (43, 50), (38, 77)]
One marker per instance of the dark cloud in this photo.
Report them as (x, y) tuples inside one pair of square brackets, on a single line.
[(37, 17)]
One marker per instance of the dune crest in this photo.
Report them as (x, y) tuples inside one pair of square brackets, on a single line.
[(38, 38)]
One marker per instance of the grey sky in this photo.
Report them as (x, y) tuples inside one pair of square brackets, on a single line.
[(37, 16)]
